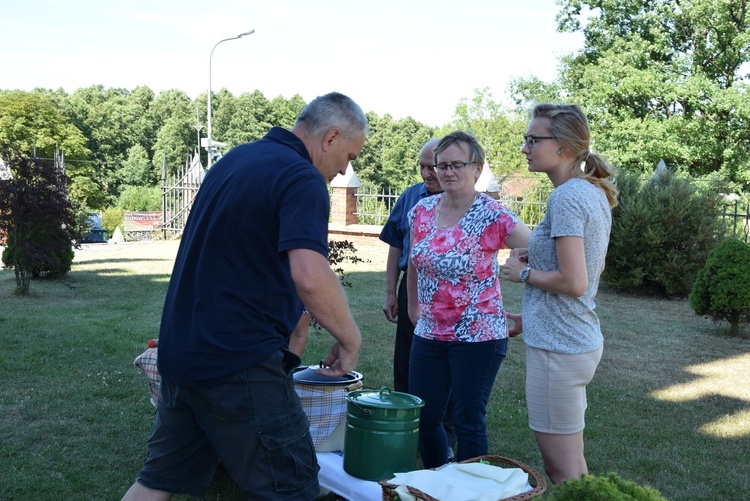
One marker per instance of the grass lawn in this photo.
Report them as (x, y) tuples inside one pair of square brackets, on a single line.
[(669, 406)]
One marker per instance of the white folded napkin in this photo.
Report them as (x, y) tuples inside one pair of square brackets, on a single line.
[(464, 482)]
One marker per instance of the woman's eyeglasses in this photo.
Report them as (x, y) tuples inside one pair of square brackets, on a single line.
[(455, 166), (530, 141)]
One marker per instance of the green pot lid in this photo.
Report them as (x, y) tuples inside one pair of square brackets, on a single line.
[(384, 398)]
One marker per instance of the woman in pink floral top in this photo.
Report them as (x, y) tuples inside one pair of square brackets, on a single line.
[(461, 332)]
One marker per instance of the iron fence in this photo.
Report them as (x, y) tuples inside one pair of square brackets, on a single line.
[(373, 207), (179, 189), (529, 211), (736, 220)]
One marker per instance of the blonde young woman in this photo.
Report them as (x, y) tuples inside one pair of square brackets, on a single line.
[(461, 333), (561, 269)]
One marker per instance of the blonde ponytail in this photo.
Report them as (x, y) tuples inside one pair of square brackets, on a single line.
[(569, 125), (598, 172)]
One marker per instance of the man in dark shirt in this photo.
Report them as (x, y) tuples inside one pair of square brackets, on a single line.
[(253, 252)]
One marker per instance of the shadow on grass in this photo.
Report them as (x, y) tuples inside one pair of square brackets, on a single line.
[(94, 262), (667, 406)]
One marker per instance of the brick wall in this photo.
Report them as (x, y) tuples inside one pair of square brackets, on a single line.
[(359, 234)]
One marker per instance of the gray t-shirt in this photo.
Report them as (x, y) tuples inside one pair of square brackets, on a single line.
[(555, 322)]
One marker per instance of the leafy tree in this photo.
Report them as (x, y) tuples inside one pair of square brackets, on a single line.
[(113, 120), (367, 165), (174, 122), (142, 129), (722, 288), (528, 91), (98, 112), (137, 169), (661, 79), (224, 107), (33, 121), (173, 142), (390, 157), (140, 198), (498, 130), (29, 122), (86, 192), (248, 121), (57, 98), (400, 156), (284, 112), (38, 220)]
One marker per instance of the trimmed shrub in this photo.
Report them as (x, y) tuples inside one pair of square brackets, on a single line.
[(722, 289), (603, 488), (662, 232)]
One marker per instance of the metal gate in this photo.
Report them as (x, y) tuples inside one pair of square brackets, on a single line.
[(178, 192)]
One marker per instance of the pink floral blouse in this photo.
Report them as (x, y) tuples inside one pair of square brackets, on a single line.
[(457, 271)]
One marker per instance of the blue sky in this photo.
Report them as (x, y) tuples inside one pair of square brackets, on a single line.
[(405, 58)]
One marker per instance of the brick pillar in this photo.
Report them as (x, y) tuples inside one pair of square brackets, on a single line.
[(344, 205), (344, 190), (487, 182)]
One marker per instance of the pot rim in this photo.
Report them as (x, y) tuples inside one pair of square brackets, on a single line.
[(347, 379)]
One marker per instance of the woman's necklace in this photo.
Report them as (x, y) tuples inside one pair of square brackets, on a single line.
[(454, 220)]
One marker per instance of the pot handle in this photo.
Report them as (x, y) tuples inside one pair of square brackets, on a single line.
[(354, 386), (365, 410)]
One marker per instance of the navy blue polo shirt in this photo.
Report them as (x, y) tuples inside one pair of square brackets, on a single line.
[(396, 231), (231, 301)]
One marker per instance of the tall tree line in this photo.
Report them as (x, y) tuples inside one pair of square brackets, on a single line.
[(116, 139), (659, 80)]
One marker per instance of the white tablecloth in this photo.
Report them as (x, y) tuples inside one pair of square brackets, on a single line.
[(333, 477)]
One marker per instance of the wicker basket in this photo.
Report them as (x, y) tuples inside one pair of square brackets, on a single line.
[(538, 484)]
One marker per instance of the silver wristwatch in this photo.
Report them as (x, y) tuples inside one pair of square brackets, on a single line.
[(525, 274)]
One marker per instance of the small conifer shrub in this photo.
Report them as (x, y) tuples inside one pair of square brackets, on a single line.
[(722, 288), (662, 232)]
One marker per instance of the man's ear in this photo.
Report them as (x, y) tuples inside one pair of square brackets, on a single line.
[(329, 137)]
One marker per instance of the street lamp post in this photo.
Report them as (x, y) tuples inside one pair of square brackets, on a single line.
[(209, 144)]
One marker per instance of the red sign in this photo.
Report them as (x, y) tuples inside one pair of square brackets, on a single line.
[(142, 221)]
